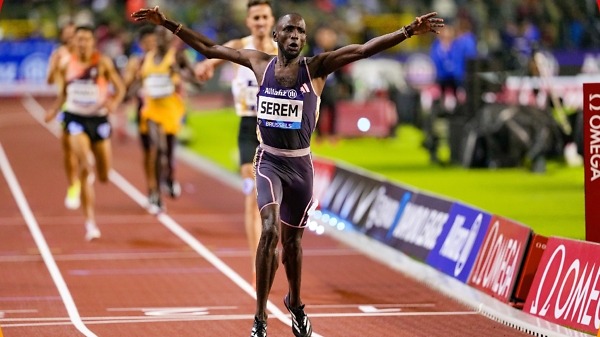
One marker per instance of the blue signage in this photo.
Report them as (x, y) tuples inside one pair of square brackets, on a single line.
[(24, 61), (417, 229), (458, 244)]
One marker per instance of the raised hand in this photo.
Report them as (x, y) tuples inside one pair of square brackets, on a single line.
[(152, 15), (204, 71), (427, 23)]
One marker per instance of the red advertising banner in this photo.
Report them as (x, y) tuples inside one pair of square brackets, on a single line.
[(500, 258), (537, 246), (591, 141), (566, 287)]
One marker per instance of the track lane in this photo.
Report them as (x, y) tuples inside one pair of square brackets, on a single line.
[(348, 293)]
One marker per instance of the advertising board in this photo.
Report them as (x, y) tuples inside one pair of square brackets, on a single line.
[(500, 258), (458, 244), (566, 286)]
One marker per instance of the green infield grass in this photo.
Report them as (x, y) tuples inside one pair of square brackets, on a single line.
[(551, 203)]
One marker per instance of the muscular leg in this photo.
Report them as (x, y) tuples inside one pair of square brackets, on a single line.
[(152, 163), (252, 220), (81, 147), (291, 257), (169, 145), (147, 157), (103, 155), (69, 160), (267, 257)]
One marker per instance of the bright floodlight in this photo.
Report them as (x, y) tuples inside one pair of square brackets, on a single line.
[(364, 124), (320, 230)]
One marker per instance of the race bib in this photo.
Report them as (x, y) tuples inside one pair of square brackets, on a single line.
[(83, 93), (251, 92), (158, 85), (279, 112)]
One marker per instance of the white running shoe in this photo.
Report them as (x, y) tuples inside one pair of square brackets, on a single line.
[(155, 205), (72, 200), (91, 231)]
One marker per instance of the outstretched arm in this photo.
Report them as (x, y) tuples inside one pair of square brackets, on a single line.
[(198, 41), (329, 62)]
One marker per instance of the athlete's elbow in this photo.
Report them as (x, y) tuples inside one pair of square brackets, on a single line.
[(364, 52)]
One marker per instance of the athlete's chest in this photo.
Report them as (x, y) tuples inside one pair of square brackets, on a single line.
[(286, 76)]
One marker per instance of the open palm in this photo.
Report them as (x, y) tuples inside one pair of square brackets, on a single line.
[(152, 15), (427, 23)]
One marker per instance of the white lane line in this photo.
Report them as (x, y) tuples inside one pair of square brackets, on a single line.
[(34, 256), (59, 321), (41, 243), (37, 111), (197, 246), (124, 219)]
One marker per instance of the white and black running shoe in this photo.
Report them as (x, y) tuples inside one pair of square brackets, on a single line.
[(155, 205), (300, 323), (259, 329)]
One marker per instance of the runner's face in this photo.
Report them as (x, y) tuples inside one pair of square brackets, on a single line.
[(84, 41), (148, 42), (291, 35), (260, 20)]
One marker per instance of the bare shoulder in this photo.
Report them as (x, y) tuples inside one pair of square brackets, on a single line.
[(315, 64)]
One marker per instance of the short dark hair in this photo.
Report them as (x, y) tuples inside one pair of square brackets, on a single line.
[(88, 28), (146, 30), (252, 3)]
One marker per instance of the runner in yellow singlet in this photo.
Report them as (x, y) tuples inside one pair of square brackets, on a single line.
[(161, 116)]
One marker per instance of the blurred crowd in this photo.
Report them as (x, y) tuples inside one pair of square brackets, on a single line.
[(497, 24), (507, 31)]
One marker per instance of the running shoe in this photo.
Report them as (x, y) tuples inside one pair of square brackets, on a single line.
[(155, 205), (259, 329), (173, 188), (72, 200), (91, 231), (300, 323)]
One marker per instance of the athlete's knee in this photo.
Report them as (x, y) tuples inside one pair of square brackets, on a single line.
[(270, 226), (270, 233), (87, 176), (292, 243)]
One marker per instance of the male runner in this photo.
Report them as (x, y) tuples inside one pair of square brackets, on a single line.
[(84, 91), (160, 110), (287, 102)]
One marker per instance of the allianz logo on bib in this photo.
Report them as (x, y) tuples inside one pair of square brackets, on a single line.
[(289, 93)]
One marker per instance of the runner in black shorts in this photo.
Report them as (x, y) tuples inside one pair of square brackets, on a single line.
[(247, 141), (97, 128), (290, 86), (84, 91)]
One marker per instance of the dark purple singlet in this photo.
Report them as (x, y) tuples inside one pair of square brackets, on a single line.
[(286, 120)]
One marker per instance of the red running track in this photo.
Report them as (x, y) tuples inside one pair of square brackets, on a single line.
[(184, 273)]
